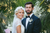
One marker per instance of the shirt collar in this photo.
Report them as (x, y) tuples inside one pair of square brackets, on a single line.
[(31, 14)]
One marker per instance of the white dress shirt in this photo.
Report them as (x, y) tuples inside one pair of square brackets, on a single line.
[(28, 20)]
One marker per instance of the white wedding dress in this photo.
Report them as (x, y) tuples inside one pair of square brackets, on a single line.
[(16, 23)]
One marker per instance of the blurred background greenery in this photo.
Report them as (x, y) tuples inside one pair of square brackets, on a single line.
[(7, 8)]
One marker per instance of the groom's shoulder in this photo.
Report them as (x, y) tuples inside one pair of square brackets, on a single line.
[(35, 17), (23, 19)]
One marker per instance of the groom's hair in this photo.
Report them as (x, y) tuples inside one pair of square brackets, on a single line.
[(29, 3)]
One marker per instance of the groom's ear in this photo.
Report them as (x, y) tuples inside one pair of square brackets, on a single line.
[(33, 8)]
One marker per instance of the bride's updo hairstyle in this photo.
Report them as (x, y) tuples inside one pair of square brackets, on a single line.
[(18, 8)]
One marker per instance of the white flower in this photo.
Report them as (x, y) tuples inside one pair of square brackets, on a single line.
[(38, 9), (30, 20)]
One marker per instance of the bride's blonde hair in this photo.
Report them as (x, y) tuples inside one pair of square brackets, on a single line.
[(18, 8), (16, 11)]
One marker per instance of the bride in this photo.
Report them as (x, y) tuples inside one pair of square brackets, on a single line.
[(18, 16)]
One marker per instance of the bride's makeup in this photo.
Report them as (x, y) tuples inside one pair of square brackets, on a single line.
[(20, 13)]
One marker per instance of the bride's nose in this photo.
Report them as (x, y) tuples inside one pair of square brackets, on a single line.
[(22, 14)]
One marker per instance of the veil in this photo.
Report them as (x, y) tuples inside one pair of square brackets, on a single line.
[(16, 10), (15, 16)]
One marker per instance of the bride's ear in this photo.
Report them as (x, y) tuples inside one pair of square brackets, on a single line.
[(16, 13)]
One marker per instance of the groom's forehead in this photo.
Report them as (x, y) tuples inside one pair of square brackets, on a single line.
[(28, 5)]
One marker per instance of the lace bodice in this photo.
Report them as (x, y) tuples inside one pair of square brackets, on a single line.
[(16, 23)]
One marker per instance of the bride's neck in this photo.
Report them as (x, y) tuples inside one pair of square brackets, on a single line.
[(19, 18)]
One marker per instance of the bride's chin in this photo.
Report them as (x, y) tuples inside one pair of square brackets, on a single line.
[(20, 18)]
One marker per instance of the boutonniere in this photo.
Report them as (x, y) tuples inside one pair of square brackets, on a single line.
[(30, 20)]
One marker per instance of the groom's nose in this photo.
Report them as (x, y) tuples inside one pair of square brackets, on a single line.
[(28, 8)]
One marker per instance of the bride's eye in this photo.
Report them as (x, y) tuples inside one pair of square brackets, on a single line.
[(19, 12)]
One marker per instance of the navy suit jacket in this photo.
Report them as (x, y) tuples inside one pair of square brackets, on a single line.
[(33, 26)]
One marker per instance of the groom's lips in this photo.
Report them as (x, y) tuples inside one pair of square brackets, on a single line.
[(28, 11)]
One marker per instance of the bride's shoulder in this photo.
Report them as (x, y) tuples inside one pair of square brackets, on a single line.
[(17, 21)]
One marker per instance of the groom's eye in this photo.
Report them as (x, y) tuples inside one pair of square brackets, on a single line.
[(23, 12)]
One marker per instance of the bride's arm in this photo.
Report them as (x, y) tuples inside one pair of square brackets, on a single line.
[(18, 29)]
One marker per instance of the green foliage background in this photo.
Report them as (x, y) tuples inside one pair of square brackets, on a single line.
[(7, 8)]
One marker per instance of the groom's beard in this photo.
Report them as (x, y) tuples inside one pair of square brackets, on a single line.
[(28, 12)]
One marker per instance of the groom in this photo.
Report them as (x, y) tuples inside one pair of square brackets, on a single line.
[(31, 23)]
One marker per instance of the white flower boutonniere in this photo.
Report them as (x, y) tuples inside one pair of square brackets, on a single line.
[(30, 20)]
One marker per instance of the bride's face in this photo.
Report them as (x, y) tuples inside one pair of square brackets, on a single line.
[(20, 14)]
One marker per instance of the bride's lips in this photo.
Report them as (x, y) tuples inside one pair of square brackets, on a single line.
[(21, 16)]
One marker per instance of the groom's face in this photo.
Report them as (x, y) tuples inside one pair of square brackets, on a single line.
[(28, 8)]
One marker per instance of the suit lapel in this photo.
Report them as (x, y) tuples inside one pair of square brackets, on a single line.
[(25, 22)]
